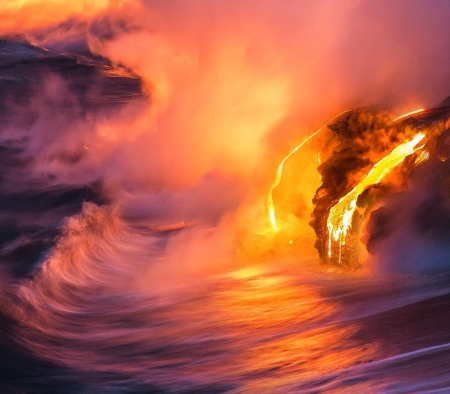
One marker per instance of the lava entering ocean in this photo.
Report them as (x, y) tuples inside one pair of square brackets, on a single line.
[(340, 216), (139, 250), (364, 136)]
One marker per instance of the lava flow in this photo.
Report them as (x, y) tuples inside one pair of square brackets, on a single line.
[(276, 182), (404, 116), (368, 144), (270, 204), (340, 217)]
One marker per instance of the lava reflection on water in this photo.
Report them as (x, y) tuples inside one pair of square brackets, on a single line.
[(288, 332), (250, 331)]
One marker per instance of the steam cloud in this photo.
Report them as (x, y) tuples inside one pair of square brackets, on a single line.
[(222, 90)]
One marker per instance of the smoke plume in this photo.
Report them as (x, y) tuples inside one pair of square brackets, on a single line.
[(216, 94)]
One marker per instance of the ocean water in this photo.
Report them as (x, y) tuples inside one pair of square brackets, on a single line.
[(86, 322), (85, 308)]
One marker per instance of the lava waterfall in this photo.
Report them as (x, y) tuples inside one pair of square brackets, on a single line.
[(369, 145)]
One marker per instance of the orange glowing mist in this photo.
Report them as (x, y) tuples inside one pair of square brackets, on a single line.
[(270, 203), (340, 217), (31, 14)]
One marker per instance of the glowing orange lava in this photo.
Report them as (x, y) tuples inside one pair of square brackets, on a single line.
[(417, 111), (270, 203), (340, 217), (424, 156)]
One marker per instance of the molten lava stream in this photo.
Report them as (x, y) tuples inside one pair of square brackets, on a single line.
[(276, 182), (340, 217)]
